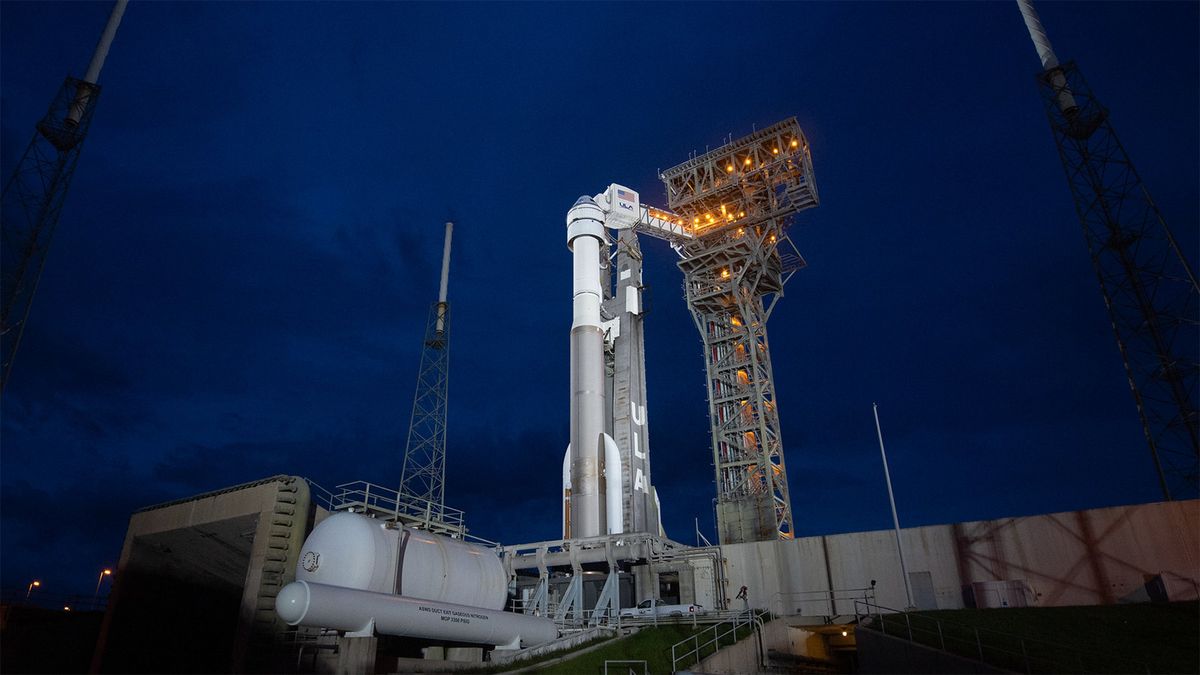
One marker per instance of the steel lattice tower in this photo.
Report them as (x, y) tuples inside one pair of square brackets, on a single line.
[(1147, 283), (34, 195), (423, 476), (738, 201), (32, 201)]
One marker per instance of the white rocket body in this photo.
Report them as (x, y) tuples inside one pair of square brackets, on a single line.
[(585, 234), (594, 473)]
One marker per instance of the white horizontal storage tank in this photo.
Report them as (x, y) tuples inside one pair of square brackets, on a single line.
[(353, 551), (364, 612)]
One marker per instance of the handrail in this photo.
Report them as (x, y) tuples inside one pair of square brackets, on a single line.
[(741, 619), (827, 597), (1023, 655)]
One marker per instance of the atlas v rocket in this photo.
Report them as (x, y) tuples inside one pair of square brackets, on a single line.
[(606, 470)]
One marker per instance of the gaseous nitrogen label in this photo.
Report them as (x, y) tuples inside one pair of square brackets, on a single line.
[(453, 615)]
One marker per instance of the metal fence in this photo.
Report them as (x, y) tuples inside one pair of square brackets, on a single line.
[(1007, 651), (830, 603), (691, 650)]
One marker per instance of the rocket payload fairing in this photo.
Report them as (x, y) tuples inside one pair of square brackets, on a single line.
[(606, 471)]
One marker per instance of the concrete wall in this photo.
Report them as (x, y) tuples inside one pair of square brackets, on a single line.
[(1098, 556), (201, 574)]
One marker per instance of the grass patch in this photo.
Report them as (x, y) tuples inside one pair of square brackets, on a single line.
[(1149, 637), (651, 644)]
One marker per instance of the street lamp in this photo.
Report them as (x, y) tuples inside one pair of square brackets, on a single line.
[(105, 573), (32, 585)]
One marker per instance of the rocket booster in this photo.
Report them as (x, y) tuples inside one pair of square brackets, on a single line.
[(585, 234)]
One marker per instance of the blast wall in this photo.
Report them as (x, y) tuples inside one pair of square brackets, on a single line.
[(1098, 556)]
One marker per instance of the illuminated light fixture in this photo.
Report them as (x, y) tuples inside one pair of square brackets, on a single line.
[(725, 274), (774, 151), (748, 161), (795, 142), (729, 168), (845, 634), (741, 214), (66, 608)]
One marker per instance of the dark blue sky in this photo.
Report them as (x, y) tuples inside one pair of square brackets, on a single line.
[(242, 272)]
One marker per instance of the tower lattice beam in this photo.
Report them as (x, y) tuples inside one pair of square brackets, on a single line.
[(735, 205), (423, 475), (1147, 283)]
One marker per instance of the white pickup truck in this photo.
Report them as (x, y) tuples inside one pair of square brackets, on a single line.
[(652, 607)]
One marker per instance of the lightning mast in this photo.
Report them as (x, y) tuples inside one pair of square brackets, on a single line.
[(1148, 285), (33, 197), (423, 476)]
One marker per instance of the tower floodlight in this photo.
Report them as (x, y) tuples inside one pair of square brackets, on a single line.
[(423, 476), (33, 196), (1147, 283)]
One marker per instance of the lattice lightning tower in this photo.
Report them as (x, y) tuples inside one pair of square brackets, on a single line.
[(423, 477), (736, 204), (33, 197), (1148, 286)]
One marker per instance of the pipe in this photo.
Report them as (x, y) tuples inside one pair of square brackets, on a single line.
[(445, 284), (364, 612), (106, 39), (585, 233), (84, 92), (1037, 33), (1041, 42), (892, 500)]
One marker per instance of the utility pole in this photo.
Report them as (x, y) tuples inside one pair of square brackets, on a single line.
[(895, 519)]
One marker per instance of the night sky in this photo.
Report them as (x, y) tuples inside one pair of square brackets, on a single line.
[(242, 272)]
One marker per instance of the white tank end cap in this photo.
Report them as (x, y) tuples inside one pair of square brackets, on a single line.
[(292, 602)]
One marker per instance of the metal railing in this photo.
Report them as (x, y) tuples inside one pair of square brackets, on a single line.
[(1007, 651), (378, 501), (829, 603), (722, 634)]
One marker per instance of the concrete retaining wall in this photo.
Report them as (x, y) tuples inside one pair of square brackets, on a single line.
[(1098, 556)]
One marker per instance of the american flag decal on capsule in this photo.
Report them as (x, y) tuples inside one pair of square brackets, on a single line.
[(624, 194)]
